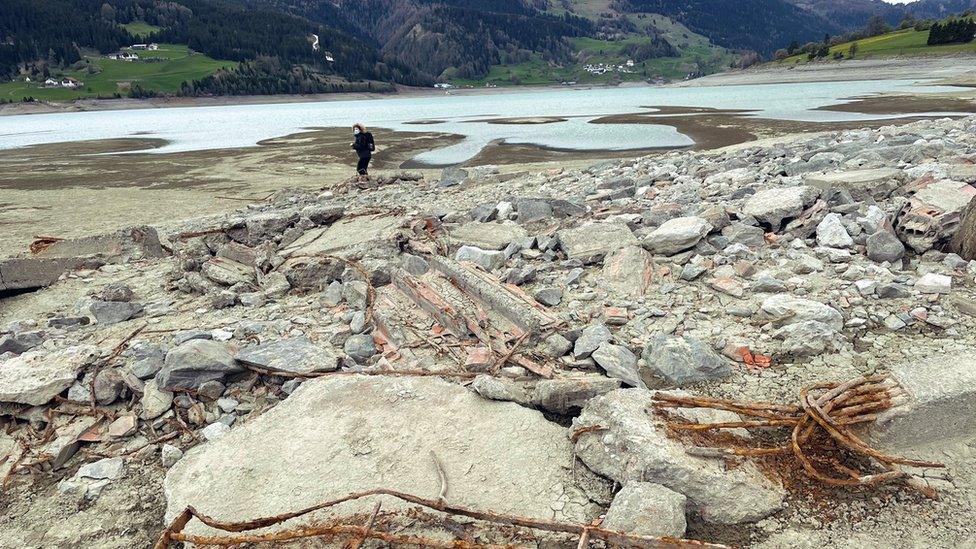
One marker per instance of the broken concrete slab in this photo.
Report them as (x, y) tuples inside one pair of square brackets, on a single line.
[(344, 234), (675, 361), (487, 236), (36, 377), (772, 206), (373, 442), (46, 266), (591, 242), (296, 355), (568, 395), (941, 402), (676, 235), (861, 184), (507, 300), (195, 362), (633, 446), (441, 308)]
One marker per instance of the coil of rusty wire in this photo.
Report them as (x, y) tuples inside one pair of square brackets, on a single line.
[(826, 408)]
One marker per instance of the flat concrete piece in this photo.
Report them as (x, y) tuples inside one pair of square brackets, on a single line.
[(941, 402), (19, 273), (344, 234), (592, 241), (296, 355), (338, 435), (487, 236), (36, 377), (860, 183)]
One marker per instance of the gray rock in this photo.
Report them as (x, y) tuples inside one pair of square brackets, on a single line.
[(194, 363), (414, 265), (676, 235), (549, 297), (107, 469), (832, 234), (567, 395), (155, 402), (634, 446), (497, 388), (628, 270), (556, 346), (591, 242), (884, 246), (360, 347), (647, 509), (619, 363), (487, 236), (211, 390), (108, 385), (678, 360), (531, 210), (892, 290), (786, 309), (740, 233), (227, 272), (933, 283), (296, 355), (20, 342), (169, 455), (486, 259), (36, 377), (452, 176), (807, 338), (590, 340), (113, 312), (215, 431), (116, 291), (772, 206)]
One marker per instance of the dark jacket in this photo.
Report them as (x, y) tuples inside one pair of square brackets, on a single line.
[(364, 145)]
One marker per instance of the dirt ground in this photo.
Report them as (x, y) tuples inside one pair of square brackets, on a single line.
[(75, 189)]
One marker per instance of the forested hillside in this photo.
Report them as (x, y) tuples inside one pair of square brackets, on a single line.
[(760, 25)]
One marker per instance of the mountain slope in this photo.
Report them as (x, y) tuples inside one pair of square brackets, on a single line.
[(760, 25), (274, 49)]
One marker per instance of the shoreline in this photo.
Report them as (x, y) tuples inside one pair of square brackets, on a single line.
[(97, 105)]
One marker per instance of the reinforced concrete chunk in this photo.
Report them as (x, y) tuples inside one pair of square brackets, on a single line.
[(514, 305), (941, 403)]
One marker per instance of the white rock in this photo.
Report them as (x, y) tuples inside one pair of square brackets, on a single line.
[(934, 283), (36, 377), (676, 235), (832, 234)]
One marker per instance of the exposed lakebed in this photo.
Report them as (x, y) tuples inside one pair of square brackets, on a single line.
[(511, 118)]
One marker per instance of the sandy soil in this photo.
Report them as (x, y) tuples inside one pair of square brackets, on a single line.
[(948, 70), (75, 189)]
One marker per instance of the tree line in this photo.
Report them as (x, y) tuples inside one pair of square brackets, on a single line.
[(952, 31)]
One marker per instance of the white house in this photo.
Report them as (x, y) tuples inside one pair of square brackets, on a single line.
[(51, 82), (443, 85), (139, 47), (152, 47)]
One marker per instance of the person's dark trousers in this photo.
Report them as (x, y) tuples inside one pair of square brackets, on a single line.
[(362, 165)]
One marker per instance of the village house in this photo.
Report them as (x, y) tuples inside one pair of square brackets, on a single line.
[(124, 56)]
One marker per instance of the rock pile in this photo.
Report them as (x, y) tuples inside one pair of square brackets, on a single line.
[(306, 332)]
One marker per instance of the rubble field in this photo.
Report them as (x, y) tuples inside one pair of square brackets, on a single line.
[(758, 346)]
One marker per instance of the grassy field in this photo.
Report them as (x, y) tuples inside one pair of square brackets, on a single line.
[(106, 77), (898, 43), (140, 29)]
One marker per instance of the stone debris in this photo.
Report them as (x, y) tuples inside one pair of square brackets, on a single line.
[(476, 318)]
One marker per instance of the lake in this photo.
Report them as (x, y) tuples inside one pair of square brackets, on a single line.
[(204, 128)]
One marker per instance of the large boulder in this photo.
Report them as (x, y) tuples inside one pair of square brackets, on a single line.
[(338, 435), (675, 361), (633, 446), (629, 270), (196, 362), (36, 377)]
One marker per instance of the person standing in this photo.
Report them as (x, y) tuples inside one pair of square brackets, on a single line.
[(364, 147)]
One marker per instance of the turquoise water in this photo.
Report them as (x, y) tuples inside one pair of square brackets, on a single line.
[(203, 128)]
